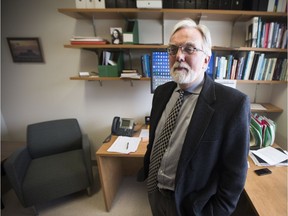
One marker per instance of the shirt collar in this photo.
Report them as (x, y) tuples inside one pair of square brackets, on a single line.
[(195, 88)]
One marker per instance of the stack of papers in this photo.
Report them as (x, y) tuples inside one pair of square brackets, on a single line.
[(269, 156), (125, 145), (83, 40)]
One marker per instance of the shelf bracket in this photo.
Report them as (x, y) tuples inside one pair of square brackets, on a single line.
[(100, 82)]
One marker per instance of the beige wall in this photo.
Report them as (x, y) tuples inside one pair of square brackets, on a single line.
[(33, 92)]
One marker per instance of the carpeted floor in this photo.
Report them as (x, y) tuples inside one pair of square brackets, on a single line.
[(131, 200)]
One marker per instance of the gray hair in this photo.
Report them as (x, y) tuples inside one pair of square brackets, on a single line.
[(206, 36)]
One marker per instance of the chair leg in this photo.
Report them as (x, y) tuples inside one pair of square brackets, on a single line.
[(35, 211), (89, 191)]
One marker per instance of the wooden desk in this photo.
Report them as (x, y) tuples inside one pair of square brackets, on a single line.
[(113, 166), (268, 193)]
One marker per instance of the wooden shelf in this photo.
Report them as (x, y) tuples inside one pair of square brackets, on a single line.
[(269, 109), (196, 14), (95, 78), (262, 82), (161, 46)]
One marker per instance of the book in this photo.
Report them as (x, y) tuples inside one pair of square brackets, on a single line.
[(271, 5), (248, 65), (270, 34), (259, 66), (252, 31), (190, 4), (233, 70)]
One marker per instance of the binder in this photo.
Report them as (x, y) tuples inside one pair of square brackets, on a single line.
[(213, 4), (225, 4), (263, 6), (167, 3), (110, 3), (112, 70), (131, 4), (237, 5), (179, 3), (131, 36), (251, 5), (99, 3), (80, 3), (121, 3), (90, 3), (201, 4), (190, 4)]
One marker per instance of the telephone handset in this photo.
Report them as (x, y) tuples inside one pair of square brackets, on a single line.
[(122, 126)]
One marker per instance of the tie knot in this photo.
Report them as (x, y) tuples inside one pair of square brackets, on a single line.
[(181, 93)]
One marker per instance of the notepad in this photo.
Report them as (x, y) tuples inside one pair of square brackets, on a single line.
[(125, 144)]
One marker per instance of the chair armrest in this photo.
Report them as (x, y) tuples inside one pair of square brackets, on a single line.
[(16, 167), (87, 156)]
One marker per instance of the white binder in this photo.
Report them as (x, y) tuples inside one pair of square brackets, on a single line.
[(99, 3), (90, 3), (80, 3)]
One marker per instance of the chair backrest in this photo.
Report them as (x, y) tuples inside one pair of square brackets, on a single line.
[(52, 137)]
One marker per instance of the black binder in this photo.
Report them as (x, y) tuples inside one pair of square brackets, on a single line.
[(225, 4), (201, 4), (251, 5), (263, 6), (190, 4), (131, 3), (110, 3), (179, 3), (213, 4), (121, 3), (237, 5), (167, 3)]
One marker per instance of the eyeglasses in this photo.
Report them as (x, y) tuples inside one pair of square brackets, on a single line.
[(187, 49)]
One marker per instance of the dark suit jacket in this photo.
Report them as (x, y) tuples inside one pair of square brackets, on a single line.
[(212, 167)]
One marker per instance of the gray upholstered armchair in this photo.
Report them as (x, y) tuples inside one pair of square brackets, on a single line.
[(55, 163)]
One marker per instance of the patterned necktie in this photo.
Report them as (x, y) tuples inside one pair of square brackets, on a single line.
[(162, 143)]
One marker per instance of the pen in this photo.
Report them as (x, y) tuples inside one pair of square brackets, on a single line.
[(127, 145)]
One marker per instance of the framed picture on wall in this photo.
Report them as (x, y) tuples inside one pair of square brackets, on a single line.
[(25, 49)]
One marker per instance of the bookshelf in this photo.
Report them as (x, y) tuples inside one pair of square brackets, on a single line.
[(161, 15)]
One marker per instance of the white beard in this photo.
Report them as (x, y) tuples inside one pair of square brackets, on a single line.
[(184, 76)]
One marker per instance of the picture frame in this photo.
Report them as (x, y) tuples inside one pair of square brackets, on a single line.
[(25, 49), (116, 35)]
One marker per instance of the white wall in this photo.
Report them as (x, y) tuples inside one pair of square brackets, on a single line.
[(34, 92)]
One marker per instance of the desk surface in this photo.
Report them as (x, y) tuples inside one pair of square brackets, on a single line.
[(268, 193)]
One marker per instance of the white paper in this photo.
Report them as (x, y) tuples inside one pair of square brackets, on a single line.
[(257, 106), (144, 133), (271, 155), (229, 83), (125, 145), (128, 37)]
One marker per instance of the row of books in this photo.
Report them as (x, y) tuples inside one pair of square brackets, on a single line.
[(266, 34), (250, 66), (256, 5)]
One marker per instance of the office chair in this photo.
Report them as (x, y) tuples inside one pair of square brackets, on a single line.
[(56, 162)]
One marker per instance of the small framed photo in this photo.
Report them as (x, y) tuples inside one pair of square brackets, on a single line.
[(116, 35), (25, 49)]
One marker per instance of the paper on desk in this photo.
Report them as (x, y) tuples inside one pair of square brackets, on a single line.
[(144, 133), (271, 155), (125, 144)]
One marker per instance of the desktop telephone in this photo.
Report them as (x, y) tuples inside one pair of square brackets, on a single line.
[(122, 126)]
